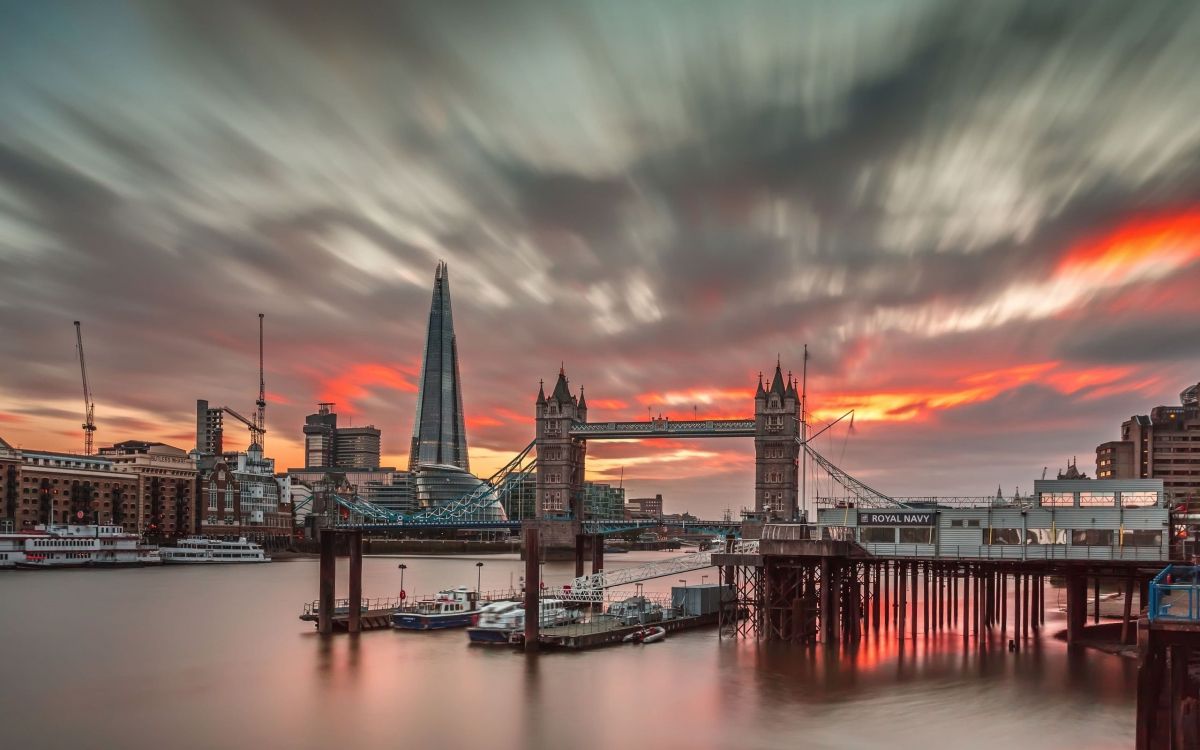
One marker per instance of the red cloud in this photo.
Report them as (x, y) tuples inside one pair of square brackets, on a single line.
[(360, 379)]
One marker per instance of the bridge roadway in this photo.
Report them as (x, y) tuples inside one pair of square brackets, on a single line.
[(589, 527), (662, 428)]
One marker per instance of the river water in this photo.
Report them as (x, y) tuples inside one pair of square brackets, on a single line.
[(215, 657)]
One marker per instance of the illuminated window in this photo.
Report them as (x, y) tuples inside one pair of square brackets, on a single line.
[(1057, 499), (1097, 499), (1138, 499)]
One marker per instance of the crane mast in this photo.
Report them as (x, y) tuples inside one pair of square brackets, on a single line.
[(259, 429), (89, 408)]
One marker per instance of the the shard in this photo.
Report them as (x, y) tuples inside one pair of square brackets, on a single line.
[(439, 433)]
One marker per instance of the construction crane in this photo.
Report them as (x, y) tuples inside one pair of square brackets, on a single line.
[(256, 432), (259, 429), (89, 408)]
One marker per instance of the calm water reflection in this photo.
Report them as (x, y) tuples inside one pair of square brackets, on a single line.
[(215, 657)]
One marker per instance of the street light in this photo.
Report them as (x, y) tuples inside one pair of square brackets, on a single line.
[(403, 568), (478, 575)]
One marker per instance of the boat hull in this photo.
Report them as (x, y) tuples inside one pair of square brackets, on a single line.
[(168, 561), (490, 636), (410, 621)]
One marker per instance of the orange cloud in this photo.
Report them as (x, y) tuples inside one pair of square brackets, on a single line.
[(907, 405), (1147, 244), (360, 379)]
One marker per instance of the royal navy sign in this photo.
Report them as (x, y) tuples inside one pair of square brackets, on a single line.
[(895, 518)]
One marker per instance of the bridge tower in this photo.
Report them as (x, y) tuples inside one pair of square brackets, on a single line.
[(560, 456), (776, 448)]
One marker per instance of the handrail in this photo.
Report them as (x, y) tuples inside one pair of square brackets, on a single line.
[(1165, 602)]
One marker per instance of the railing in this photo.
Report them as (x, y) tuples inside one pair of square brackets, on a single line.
[(702, 427), (342, 606), (930, 502), (1175, 594), (591, 588), (1014, 551)]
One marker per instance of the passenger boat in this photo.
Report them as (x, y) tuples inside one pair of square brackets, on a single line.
[(201, 551), (454, 608), (508, 619), (646, 635), (71, 546)]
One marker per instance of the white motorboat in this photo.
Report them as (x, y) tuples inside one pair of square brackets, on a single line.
[(498, 621), (201, 551)]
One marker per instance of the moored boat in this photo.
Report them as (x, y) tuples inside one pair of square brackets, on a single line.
[(652, 634), (507, 619), (71, 546), (454, 608), (202, 551)]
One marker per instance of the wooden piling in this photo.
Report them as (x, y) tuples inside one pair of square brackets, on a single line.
[(328, 576), (1125, 619), (533, 585), (354, 624)]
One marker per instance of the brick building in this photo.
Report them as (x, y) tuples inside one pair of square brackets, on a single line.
[(69, 488), (10, 485), (166, 484), (1164, 444), (240, 496)]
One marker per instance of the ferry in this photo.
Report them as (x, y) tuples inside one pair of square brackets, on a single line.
[(201, 551), (454, 608), (505, 619), (73, 546)]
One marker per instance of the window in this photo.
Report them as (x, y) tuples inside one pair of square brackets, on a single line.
[(921, 535), (1057, 499), (212, 498), (1138, 499), (1046, 536), (877, 535), (1092, 537), (228, 498), (1097, 499), (994, 535), (1142, 538)]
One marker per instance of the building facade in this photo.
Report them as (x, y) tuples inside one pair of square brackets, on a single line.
[(69, 488), (1164, 444), (645, 507), (327, 446), (439, 429), (777, 448), (240, 496), (166, 485), (10, 486), (603, 502), (560, 456)]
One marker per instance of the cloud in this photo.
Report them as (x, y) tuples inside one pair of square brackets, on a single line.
[(967, 215)]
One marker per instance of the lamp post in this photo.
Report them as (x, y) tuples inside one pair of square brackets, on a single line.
[(403, 568), (478, 575)]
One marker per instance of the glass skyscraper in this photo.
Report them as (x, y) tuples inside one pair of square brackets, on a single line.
[(439, 433)]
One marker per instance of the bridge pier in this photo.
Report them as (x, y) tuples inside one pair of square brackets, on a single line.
[(580, 541), (597, 553)]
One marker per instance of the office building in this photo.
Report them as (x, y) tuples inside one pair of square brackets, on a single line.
[(1164, 444), (645, 507), (327, 446), (439, 430)]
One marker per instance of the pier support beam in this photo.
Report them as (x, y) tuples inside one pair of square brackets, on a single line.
[(533, 588), (328, 575), (580, 540), (356, 552), (597, 553), (1076, 606)]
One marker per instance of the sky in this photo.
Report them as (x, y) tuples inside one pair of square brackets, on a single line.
[(983, 219)]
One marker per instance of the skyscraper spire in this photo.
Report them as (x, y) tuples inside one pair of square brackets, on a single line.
[(439, 430)]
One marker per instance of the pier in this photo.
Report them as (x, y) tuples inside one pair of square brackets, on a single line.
[(1168, 708)]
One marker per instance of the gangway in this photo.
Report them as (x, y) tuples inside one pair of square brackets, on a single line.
[(590, 588)]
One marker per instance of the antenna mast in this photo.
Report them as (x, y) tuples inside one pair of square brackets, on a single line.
[(260, 417), (804, 432), (89, 408)]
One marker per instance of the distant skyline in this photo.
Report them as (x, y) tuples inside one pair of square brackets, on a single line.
[(983, 220)]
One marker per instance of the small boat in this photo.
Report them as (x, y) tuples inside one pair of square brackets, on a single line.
[(646, 635), (506, 623), (202, 551), (454, 608), (497, 622), (635, 610)]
